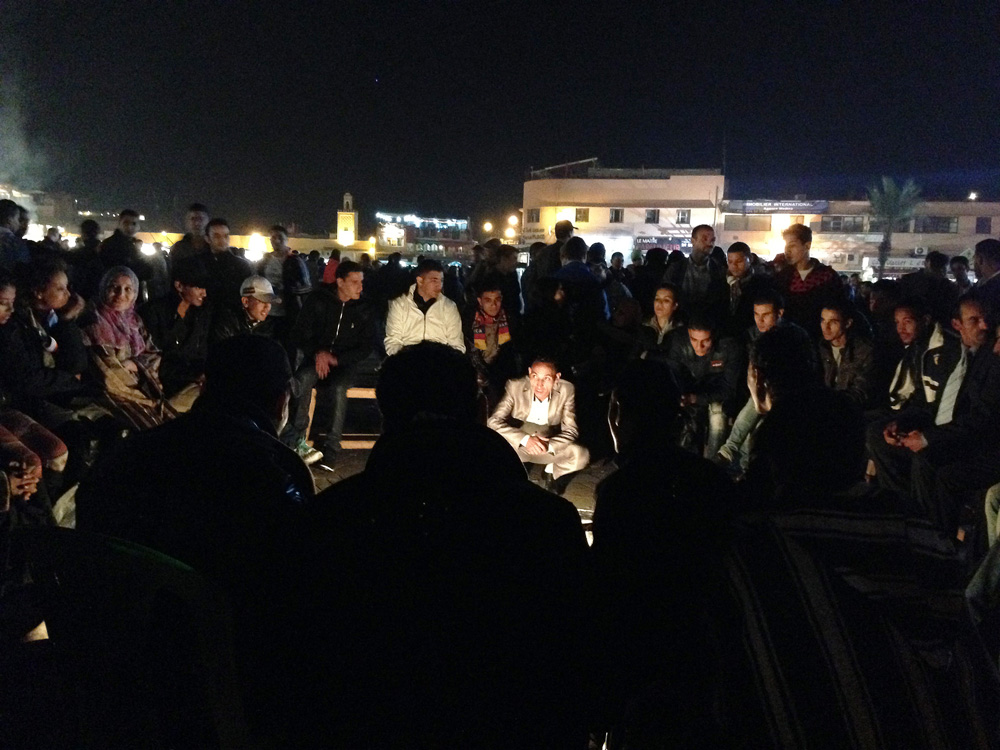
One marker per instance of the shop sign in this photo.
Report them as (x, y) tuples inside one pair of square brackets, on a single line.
[(667, 243), (777, 207)]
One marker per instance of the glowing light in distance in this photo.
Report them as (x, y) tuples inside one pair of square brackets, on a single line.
[(418, 220), (393, 232), (148, 249), (488, 226), (973, 196), (509, 233), (256, 247), (512, 220)]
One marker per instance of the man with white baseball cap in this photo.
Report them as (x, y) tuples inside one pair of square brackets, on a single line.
[(256, 296)]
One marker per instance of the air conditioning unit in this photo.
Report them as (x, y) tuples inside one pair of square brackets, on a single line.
[(919, 252)]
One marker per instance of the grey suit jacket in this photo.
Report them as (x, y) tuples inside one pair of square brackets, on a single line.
[(515, 406)]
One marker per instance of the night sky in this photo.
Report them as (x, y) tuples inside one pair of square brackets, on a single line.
[(271, 111)]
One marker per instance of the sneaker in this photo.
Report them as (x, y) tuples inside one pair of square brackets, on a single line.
[(307, 453)]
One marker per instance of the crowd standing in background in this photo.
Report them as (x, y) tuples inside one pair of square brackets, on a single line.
[(807, 480)]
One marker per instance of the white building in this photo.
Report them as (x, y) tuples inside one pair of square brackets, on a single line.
[(847, 236), (625, 209)]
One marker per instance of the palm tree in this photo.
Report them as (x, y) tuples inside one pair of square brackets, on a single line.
[(891, 205)]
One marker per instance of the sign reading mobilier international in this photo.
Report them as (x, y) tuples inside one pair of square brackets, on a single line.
[(776, 207)]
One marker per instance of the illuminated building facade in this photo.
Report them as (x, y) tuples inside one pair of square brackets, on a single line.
[(414, 235), (626, 209), (847, 236)]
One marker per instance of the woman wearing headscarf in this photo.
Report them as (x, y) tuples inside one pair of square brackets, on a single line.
[(123, 356)]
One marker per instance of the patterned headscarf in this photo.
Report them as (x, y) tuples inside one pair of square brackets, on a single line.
[(114, 328)]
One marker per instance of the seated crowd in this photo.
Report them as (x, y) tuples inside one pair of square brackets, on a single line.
[(807, 476)]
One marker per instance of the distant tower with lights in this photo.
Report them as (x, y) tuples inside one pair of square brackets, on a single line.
[(347, 222)]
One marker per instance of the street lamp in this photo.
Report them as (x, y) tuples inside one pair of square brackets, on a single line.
[(512, 220), (509, 233), (973, 196), (488, 226)]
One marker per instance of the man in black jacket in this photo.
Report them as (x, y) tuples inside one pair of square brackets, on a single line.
[(194, 242), (334, 331), (179, 325), (256, 296), (743, 288), (224, 269), (120, 248)]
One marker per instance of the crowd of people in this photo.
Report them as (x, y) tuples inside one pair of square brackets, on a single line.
[(807, 479)]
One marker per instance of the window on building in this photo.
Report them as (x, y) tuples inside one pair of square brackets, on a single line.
[(842, 224), (747, 223), (984, 225), (616, 216), (683, 216), (583, 215), (877, 226), (532, 216), (936, 224), (652, 216)]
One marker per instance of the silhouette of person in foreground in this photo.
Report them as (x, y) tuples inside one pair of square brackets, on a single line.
[(660, 528), (849, 625), (449, 606), (217, 490)]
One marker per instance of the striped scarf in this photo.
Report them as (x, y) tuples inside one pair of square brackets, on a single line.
[(482, 322)]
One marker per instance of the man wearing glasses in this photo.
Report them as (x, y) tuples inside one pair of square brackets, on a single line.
[(537, 416)]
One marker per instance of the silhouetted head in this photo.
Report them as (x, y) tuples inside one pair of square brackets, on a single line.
[(89, 229), (249, 375), (656, 256), (644, 407), (813, 439), (575, 249), (428, 382), (9, 211), (986, 258), (564, 229), (783, 361)]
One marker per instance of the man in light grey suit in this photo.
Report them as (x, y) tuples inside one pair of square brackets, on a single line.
[(537, 416)]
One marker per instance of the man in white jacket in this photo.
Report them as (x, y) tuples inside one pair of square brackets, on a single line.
[(423, 313)]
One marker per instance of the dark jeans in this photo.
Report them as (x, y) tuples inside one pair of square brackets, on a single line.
[(934, 482), (331, 407)]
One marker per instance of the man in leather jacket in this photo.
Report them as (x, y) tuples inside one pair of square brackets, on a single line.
[(334, 331)]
